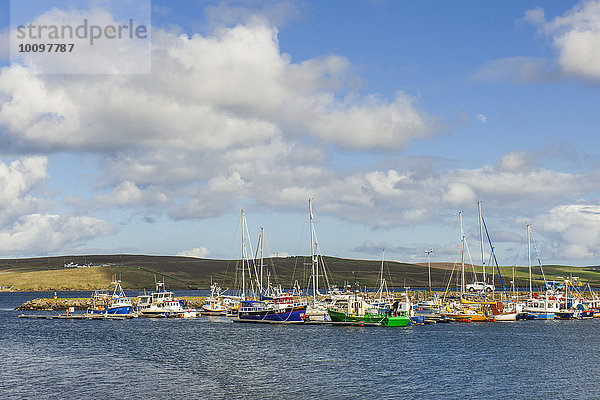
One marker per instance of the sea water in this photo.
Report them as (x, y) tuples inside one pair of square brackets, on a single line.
[(214, 358)]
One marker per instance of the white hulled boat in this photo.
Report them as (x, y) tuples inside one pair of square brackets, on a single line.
[(163, 304), (214, 304)]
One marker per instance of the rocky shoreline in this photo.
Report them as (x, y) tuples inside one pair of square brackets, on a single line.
[(45, 304)]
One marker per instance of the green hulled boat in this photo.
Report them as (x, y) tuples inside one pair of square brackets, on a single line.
[(383, 320), (397, 320), (337, 316), (356, 311)]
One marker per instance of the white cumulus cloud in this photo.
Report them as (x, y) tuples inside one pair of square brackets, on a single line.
[(576, 37), (44, 233), (197, 252), (26, 225), (574, 229), (207, 92)]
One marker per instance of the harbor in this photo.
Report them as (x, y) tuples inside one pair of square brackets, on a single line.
[(470, 294), (565, 300), (218, 359), (299, 199)]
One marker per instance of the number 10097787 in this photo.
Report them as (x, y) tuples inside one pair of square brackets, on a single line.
[(43, 48)]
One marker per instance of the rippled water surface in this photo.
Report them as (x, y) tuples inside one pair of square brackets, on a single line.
[(213, 358)]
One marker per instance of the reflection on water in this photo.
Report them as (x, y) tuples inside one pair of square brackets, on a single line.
[(214, 358)]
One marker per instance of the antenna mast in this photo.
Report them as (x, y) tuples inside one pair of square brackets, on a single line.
[(481, 235)]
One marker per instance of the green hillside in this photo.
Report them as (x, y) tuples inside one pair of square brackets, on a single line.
[(140, 271)]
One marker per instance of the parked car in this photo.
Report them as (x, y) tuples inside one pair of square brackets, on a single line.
[(480, 287)]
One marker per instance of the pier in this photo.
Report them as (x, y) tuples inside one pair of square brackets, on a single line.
[(48, 304), (80, 316)]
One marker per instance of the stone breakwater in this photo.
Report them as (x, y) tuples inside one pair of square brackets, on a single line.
[(42, 304)]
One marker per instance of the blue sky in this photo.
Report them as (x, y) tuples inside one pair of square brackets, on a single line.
[(391, 115)]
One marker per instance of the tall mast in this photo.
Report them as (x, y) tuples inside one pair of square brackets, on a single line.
[(462, 255), (262, 241), (513, 283), (481, 236), (529, 257), (243, 257), (314, 257)]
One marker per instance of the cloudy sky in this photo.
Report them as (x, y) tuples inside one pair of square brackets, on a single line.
[(391, 115)]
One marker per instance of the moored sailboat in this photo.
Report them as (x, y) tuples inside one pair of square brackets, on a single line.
[(283, 309), (505, 311), (544, 306), (316, 309)]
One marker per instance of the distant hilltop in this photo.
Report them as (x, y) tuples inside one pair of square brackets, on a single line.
[(141, 271)]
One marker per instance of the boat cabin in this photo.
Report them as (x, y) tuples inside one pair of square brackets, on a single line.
[(252, 305), (351, 306), (541, 304), (159, 297)]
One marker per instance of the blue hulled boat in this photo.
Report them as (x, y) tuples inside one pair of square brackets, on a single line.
[(116, 304), (541, 307), (283, 309)]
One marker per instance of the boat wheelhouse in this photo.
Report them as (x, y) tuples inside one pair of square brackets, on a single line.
[(541, 307), (162, 304)]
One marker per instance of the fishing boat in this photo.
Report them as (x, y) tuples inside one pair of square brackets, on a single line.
[(576, 310), (428, 311), (119, 303), (164, 304), (573, 304), (592, 305), (357, 310), (399, 314), (395, 320), (99, 302), (282, 309), (213, 304), (116, 303), (541, 307), (354, 310), (144, 301)]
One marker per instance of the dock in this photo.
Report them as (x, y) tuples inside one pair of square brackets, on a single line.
[(346, 323), (79, 316), (306, 322), (254, 321)]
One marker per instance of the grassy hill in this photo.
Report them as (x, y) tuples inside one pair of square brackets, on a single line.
[(140, 271)]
